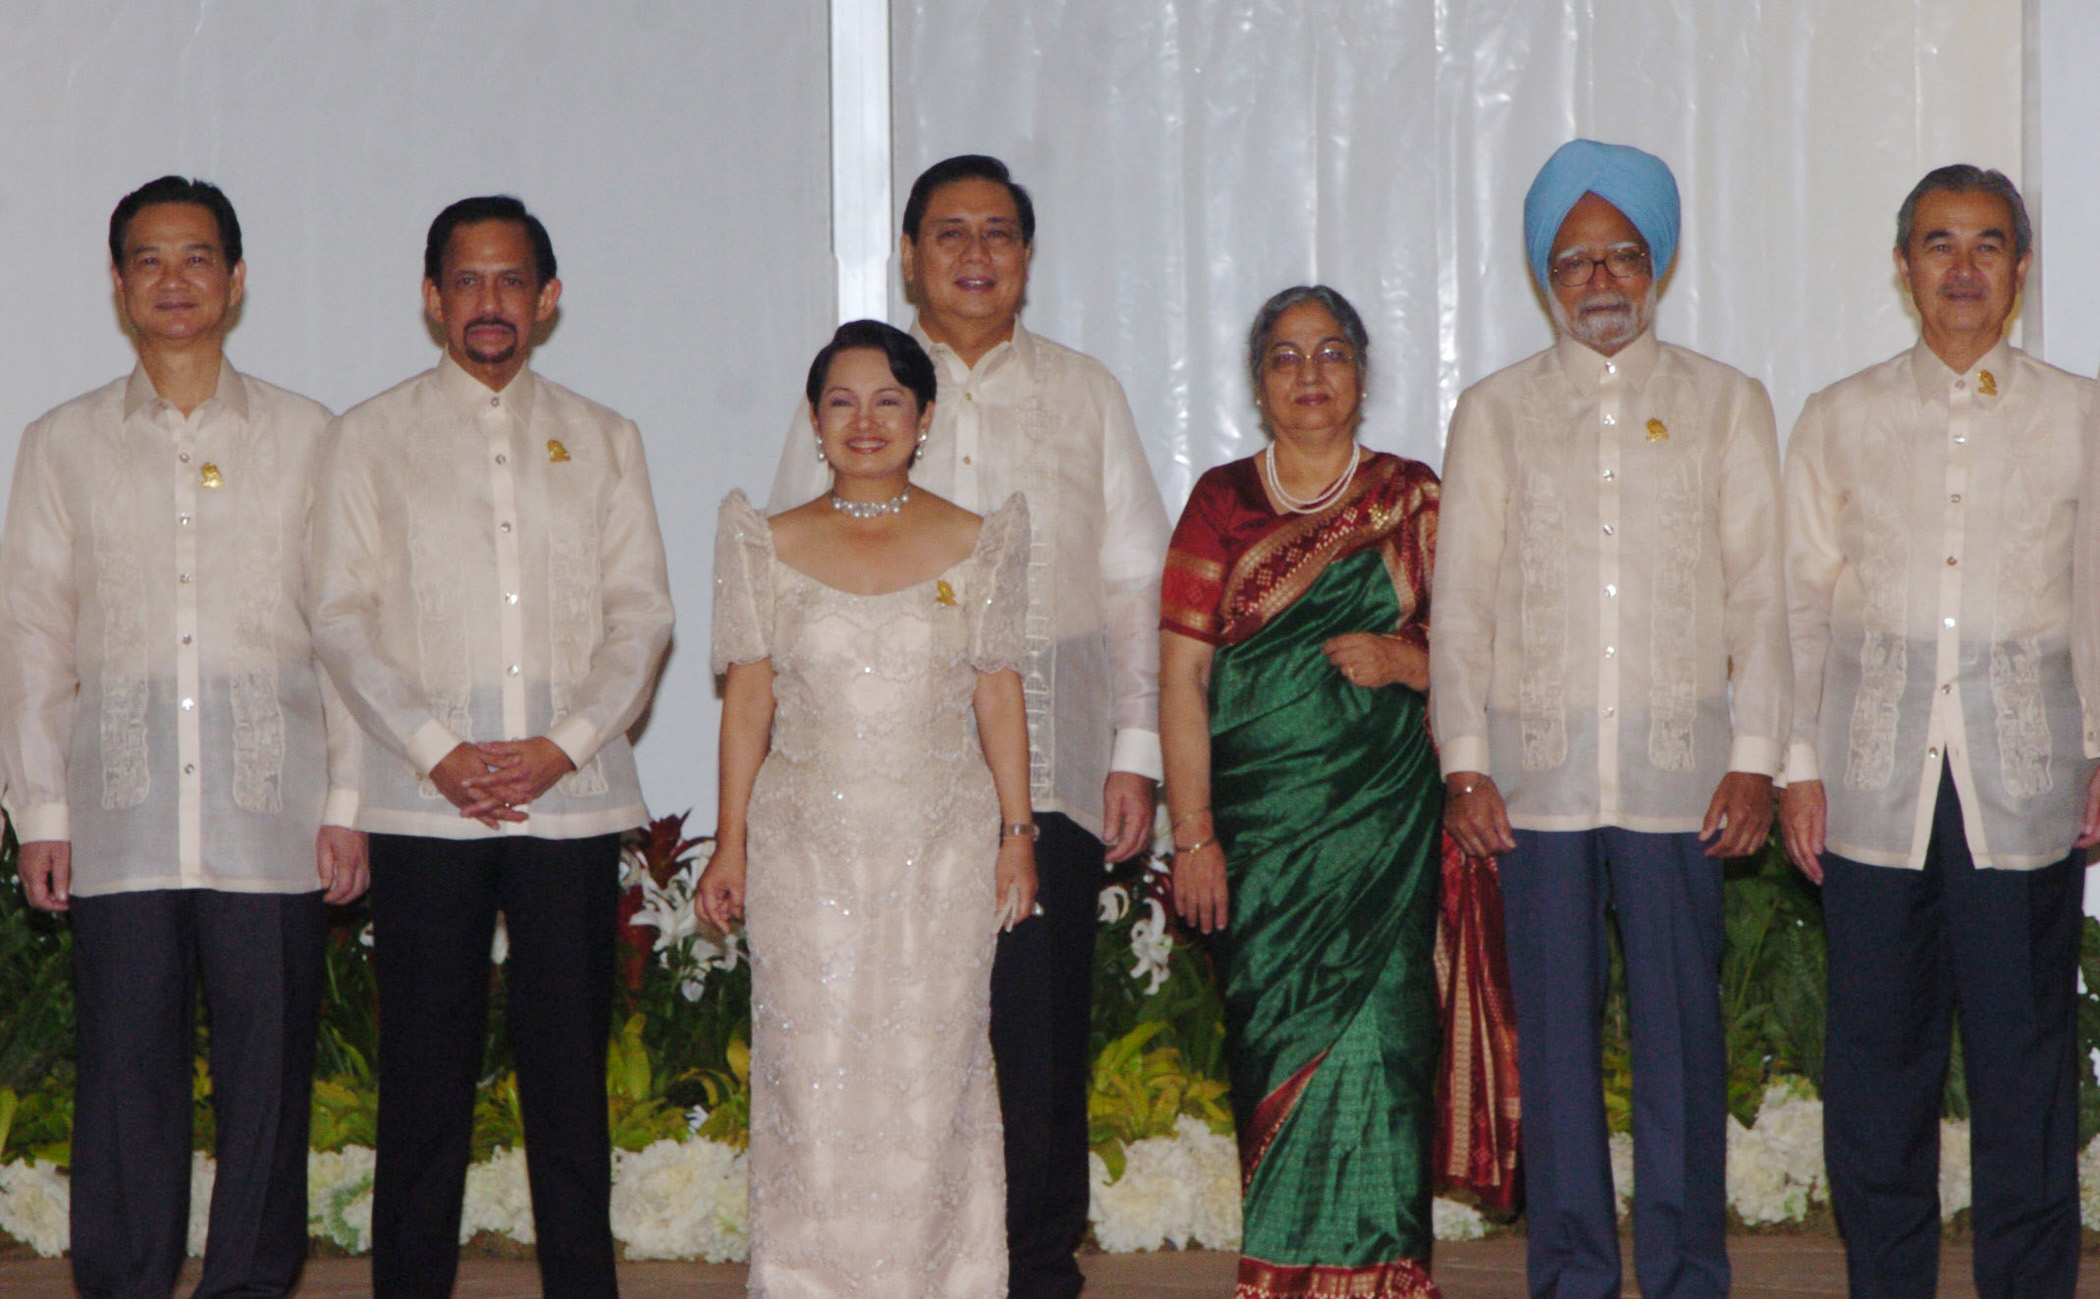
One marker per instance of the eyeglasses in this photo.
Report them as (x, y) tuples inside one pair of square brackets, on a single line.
[(1285, 358), (1575, 270)]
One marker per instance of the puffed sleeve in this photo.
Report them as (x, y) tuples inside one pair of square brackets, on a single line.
[(1000, 596), (743, 616)]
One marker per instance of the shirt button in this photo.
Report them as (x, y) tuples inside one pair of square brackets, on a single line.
[(966, 460), (189, 768), (514, 669), (1961, 437), (1611, 419), (969, 396), (1608, 475), (1946, 622), (502, 459), (503, 526), (495, 402), (1952, 561), (185, 638), (1611, 367), (1610, 650), (184, 457), (1932, 753), (1947, 689), (1611, 592), (185, 579), (189, 705), (1607, 530), (510, 597), (1610, 711), (1956, 498), (183, 519), (1960, 384)]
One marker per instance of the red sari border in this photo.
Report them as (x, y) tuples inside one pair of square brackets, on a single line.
[(1269, 1117), (1402, 1279)]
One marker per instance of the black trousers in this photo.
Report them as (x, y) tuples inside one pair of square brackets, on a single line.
[(1042, 1004), (434, 905), (137, 958), (1908, 949)]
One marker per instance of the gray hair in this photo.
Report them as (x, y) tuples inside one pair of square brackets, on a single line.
[(1964, 178), (1353, 332)]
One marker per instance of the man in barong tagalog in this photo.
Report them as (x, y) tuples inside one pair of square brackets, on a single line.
[(1938, 782), (1612, 691)]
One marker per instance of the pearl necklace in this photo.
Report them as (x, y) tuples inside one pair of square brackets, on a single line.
[(1321, 501), (870, 509)]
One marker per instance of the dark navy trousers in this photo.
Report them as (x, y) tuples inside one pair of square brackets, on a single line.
[(1907, 950), (1666, 897)]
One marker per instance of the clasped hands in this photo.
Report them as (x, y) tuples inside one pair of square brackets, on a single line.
[(496, 781)]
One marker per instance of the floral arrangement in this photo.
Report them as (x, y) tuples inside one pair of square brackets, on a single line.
[(1165, 1171)]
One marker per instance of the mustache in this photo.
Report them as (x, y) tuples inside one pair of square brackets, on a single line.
[(496, 321)]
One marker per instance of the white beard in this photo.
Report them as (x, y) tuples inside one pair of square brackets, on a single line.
[(1606, 324)]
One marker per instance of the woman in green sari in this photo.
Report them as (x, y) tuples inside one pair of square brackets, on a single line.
[(1305, 800)]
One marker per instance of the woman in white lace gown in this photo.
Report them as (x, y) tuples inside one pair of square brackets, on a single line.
[(874, 833)]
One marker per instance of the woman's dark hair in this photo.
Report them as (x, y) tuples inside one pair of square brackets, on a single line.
[(966, 166), (909, 364), (1353, 332), (473, 211), (176, 189)]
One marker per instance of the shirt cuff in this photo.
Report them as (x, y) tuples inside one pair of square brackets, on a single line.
[(1801, 763), (428, 747), (341, 808), (1754, 754), (41, 822), (1137, 752), (1464, 753), (576, 737)]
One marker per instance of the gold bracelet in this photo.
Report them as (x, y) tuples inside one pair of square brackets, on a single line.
[(1197, 846)]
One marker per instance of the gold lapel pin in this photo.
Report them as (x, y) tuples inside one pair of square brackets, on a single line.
[(557, 454), (1987, 383), (211, 475), (1656, 431), (944, 593)]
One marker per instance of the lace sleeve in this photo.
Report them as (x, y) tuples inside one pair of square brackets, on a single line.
[(743, 616), (1000, 617)]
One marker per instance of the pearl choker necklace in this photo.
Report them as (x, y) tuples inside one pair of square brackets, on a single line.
[(870, 509), (1314, 504)]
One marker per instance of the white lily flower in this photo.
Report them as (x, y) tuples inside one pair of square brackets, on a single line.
[(1152, 945), (1115, 903)]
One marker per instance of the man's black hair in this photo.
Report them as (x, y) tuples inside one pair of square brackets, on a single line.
[(966, 166), (176, 189), (473, 211)]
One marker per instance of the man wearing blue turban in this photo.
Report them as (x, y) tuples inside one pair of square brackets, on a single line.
[(1612, 695)]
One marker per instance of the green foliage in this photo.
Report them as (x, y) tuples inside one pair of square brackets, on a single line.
[(36, 986), (1187, 1006), (1138, 1094)]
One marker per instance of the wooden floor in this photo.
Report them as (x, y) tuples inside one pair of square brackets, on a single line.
[(1490, 1269)]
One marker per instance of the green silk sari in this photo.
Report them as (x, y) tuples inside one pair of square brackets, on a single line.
[(1328, 803)]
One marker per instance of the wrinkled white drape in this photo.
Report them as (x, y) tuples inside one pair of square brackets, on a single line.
[(1190, 157)]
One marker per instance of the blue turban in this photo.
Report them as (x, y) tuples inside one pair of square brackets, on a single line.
[(1638, 184)]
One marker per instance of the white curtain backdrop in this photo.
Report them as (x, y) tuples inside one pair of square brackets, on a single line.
[(678, 153), (1190, 157)]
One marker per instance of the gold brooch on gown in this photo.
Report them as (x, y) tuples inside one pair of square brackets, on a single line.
[(211, 476), (557, 454), (944, 593), (1657, 432), (1987, 383)]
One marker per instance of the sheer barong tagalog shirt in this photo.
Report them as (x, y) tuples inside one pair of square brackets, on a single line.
[(1610, 636), (487, 566), (1041, 419), (160, 705), (1930, 523)]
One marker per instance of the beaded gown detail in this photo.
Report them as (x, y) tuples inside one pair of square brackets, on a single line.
[(876, 1153)]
